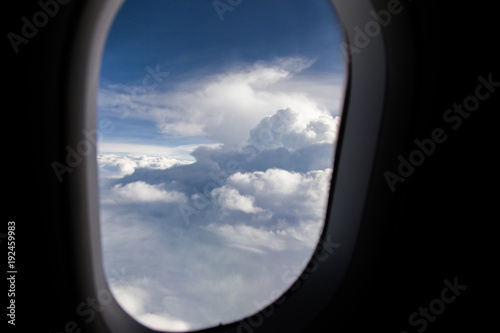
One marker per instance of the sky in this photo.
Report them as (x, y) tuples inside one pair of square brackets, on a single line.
[(214, 179)]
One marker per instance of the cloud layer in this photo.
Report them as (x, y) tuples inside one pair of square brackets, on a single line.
[(225, 107), (187, 245)]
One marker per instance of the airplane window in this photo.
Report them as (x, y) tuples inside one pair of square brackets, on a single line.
[(221, 121)]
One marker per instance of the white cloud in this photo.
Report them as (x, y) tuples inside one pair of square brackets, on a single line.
[(202, 274), (251, 224), (140, 191), (181, 153), (225, 107), (163, 322), (230, 198), (294, 204), (215, 268), (117, 166), (302, 195), (136, 298), (293, 130)]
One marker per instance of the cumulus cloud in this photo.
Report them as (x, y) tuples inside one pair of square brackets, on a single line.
[(230, 198), (138, 192), (245, 214), (226, 106), (138, 300), (288, 194), (249, 207), (293, 130), (203, 241), (278, 183), (117, 166)]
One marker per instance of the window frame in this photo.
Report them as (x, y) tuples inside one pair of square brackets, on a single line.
[(372, 96)]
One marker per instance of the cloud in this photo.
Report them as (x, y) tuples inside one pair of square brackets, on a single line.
[(230, 198), (224, 107), (140, 191), (180, 153), (290, 195), (248, 238), (118, 166), (197, 275), (260, 239), (293, 130), (138, 300), (250, 208), (204, 240)]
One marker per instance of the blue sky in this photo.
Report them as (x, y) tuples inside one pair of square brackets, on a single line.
[(186, 37), (215, 178)]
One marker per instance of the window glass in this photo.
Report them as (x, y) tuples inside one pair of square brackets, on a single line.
[(221, 120)]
